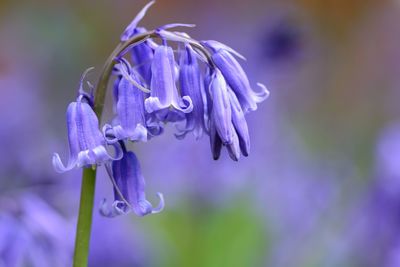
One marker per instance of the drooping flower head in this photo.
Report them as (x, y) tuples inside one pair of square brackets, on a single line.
[(150, 90)]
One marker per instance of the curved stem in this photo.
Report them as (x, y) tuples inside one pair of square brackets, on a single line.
[(89, 174), (84, 225)]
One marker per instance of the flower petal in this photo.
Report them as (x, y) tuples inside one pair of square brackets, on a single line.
[(59, 166), (215, 46), (129, 31), (239, 121), (221, 109), (130, 183), (192, 85), (174, 25), (234, 148)]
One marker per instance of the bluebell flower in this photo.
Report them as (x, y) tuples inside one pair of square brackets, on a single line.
[(227, 122), (146, 97), (130, 122), (164, 99), (240, 124), (129, 186), (191, 84), (86, 143), (221, 107), (142, 55), (235, 75)]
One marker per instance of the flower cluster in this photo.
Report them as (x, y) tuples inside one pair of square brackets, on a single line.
[(205, 92)]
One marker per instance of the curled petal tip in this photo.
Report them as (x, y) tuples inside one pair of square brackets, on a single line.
[(186, 104), (144, 207), (113, 211), (59, 166), (161, 204), (264, 94), (109, 135)]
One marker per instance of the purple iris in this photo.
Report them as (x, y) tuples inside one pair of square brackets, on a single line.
[(235, 75), (86, 143), (129, 186)]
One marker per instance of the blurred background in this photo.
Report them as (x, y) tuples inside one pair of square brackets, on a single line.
[(321, 186)]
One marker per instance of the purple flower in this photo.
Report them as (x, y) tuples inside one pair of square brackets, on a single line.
[(234, 147), (221, 107), (142, 55), (86, 142), (130, 121), (164, 94), (240, 124), (192, 85), (227, 121), (129, 186), (235, 75)]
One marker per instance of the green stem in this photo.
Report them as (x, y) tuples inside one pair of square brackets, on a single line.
[(85, 218)]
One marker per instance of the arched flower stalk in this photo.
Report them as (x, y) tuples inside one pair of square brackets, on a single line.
[(151, 89)]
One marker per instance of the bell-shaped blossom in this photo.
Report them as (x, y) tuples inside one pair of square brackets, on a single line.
[(164, 99), (235, 75), (221, 107), (192, 85), (130, 122), (129, 189), (86, 143), (240, 124)]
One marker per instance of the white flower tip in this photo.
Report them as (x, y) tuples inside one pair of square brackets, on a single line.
[(265, 91), (160, 205)]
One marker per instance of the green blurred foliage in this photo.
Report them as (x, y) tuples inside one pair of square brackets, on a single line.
[(192, 235)]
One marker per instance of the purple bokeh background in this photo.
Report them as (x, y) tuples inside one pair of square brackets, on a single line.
[(321, 186)]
